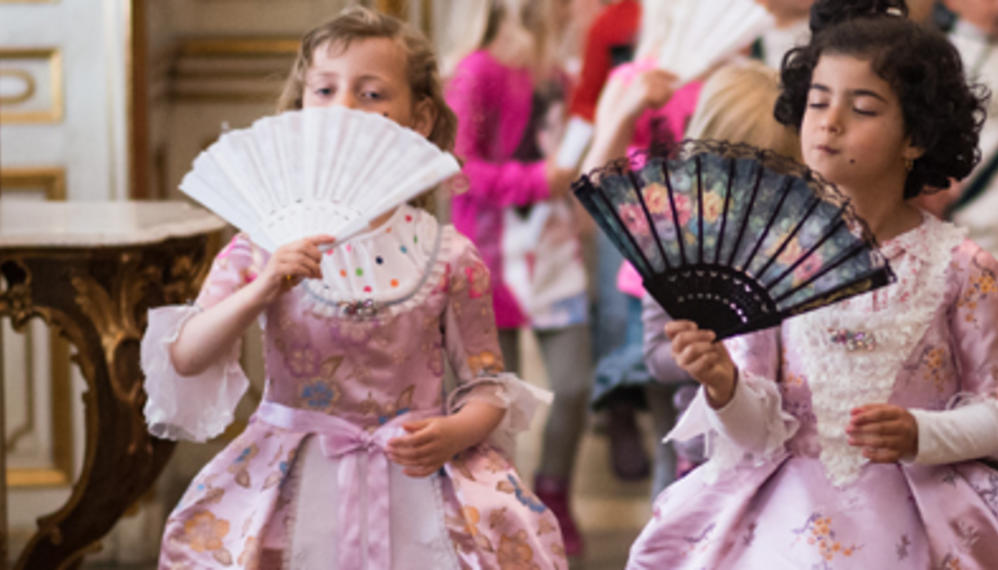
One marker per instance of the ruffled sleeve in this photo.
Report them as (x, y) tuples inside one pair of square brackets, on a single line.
[(472, 346), (196, 407), (753, 425)]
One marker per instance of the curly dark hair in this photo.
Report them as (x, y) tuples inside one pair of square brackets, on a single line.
[(942, 113)]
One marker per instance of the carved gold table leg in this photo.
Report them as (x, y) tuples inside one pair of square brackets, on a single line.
[(97, 299)]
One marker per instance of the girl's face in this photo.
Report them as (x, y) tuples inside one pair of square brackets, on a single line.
[(853, 127), (369, 75)]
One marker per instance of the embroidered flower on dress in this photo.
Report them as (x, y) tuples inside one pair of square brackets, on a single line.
[(819, 533), (320, 394), (524, 496), (301, 360), (515, 552), (485, 363), (204, 532)]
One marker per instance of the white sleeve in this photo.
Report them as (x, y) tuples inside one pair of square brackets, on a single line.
[(960, 434), (197, 407), (753, 424)]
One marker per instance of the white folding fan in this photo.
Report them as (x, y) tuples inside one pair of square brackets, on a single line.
[(699, 34), (703, 33), (314, 171)]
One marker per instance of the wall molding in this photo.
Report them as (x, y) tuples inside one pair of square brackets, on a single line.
[(52, 57)]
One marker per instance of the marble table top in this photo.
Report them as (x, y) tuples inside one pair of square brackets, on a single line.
[(100, 224)]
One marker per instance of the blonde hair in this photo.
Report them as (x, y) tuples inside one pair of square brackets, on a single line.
[(358, 23), (736, 104), (475, 24)]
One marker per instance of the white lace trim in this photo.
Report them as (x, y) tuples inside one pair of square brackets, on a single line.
[(519, 398), (382, 267), (730, 431), (840, 379), (195, 408)]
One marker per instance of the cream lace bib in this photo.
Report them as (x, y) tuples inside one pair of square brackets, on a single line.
[(853, 350)]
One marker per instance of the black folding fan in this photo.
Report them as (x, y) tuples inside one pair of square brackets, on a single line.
[(731, 237)]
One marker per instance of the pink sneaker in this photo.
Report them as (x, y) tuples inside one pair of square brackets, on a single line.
[(553, 492)]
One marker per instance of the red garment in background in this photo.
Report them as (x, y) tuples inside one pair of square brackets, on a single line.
[(616, 25)]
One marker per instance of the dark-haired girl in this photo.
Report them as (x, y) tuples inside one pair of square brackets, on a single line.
[(856, 436)]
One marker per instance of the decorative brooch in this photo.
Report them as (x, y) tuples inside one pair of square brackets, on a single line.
[(853, 340), (365, 308)]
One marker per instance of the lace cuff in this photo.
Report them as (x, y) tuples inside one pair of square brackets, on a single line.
[(504, 390), (195, 408), (753, 425)]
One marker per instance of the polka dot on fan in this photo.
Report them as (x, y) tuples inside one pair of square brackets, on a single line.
[(408, 218), (404, 249), (395, 282), (360, 272), (379, 260), (343, 272), (367, 289)]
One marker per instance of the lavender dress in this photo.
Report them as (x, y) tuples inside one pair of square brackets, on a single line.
[(785, 490), (308, 478)]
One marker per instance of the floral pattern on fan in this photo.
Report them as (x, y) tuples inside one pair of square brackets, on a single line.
[(733, 237)]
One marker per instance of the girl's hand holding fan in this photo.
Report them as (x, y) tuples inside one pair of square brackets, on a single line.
[(291, 263), (698, 353)]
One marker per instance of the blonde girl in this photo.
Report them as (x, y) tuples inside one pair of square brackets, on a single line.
[(356, 458)]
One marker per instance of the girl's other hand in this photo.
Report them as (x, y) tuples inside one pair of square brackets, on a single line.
[(887, 433), (624, 99), (707, 361), (429, 444), (290, 264)]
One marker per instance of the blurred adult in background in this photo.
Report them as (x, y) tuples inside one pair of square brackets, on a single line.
[(790, 30)]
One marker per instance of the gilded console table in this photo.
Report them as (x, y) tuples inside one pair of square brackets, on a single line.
[(90, 270)]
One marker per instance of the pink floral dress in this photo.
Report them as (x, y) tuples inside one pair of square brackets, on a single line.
[(784, 489), (308, 478)]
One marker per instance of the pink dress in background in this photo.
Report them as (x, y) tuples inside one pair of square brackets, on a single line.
[(308, 476), (493, 103), (784, 490)]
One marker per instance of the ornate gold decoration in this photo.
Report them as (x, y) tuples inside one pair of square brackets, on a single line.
[(29, 86), (52, 181), (53, 58), (240, 46), (232, 69), (97, 300), (394, 7)]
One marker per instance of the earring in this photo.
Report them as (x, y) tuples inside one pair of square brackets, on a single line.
[(909, 164)]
